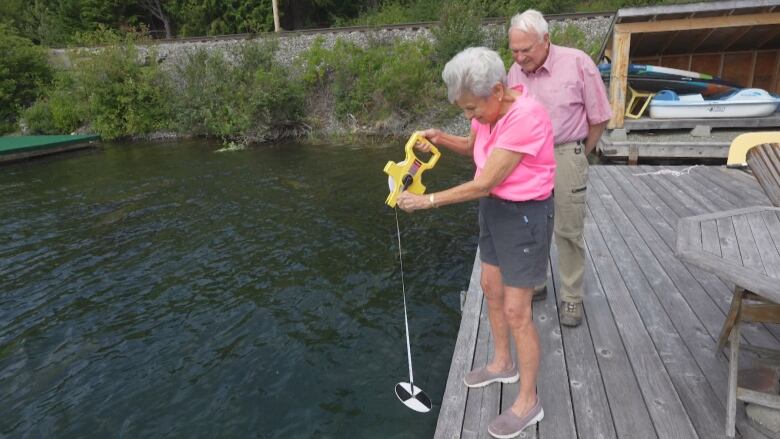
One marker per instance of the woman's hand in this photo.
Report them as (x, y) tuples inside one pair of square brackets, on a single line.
[(409, 202), (433, 135)]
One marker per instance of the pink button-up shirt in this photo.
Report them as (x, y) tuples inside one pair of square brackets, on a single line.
[(569, 86)]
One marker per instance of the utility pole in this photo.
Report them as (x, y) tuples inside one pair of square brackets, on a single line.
[(277, 28)]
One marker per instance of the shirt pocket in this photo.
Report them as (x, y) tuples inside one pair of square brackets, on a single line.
[(565, 94)]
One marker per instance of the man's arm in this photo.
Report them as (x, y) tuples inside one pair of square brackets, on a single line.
[(597, 107), (594, 134)]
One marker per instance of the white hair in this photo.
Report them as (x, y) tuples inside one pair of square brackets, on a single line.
[(530, 21), (476, 70)]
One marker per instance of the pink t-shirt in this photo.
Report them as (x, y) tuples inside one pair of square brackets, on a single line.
[(524, 128), (569, 86)]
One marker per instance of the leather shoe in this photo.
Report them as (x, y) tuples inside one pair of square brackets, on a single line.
[(570, 313)]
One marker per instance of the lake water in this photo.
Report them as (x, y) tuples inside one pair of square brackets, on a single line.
[(167, 290)]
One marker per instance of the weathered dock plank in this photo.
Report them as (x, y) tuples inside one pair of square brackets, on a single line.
[(450, 422), (553, 381), (629, 411), (483, 403), (655, 209), (592, 415), (666, 409), (664, 311), (642, 364)]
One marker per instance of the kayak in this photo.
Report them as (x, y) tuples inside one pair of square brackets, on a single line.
[(649, 78)]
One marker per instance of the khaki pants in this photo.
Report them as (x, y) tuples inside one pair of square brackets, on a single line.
[(571, 182)]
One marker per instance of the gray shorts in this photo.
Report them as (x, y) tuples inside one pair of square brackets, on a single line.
[(515, 236)]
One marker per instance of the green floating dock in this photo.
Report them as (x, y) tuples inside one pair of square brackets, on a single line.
[(22, 147)]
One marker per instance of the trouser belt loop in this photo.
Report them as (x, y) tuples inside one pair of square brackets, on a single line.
[(580, 146)]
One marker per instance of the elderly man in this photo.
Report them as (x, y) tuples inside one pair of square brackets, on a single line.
[(568, 84)]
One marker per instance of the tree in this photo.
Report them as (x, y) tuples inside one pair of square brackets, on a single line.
[(299, 14), (155, 7), (23, 72), (47, 21)]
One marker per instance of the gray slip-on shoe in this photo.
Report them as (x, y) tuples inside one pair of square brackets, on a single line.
[(482, 377), (509, 425)]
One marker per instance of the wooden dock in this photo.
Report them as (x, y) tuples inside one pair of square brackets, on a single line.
[(643, 362)]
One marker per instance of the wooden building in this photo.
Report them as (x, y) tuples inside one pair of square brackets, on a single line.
[(738, 41)]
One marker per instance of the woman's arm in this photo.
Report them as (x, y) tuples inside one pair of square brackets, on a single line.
[(458, 144), (500, 163)]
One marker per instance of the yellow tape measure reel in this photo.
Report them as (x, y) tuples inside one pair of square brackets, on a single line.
[(407, 175)]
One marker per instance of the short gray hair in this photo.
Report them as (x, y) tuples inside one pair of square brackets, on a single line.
[(530, 21), (476, 70)]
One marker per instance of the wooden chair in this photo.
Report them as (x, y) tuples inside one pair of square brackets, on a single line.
[(764, 162), (743, 142), (746, 307)]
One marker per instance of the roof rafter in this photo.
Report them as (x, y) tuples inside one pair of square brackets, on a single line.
[(669, 42), (771, 36), (700, 23), (702, 39), (735, 39)]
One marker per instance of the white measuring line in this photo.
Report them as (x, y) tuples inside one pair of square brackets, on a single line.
[(409, 394)]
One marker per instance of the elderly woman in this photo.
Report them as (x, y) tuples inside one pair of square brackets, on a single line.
[(511, 141)]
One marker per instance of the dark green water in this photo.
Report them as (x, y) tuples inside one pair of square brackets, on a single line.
[(166, 290)]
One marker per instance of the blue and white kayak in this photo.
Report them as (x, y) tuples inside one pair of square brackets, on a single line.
[(747, 102)]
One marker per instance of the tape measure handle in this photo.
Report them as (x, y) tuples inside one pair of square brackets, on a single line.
[(435, 154)]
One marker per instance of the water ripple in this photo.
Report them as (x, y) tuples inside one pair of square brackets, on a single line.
[(164, 290)]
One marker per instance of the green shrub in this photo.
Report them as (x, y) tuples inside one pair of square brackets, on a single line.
[(571, 36), (120, 92), (38, 119), (460, 27), (125, 97), (376, 82), (114, 90), (63, 109), (318, 63), (201, 101), (407, 80), (23, 73), (245, 95), (354, 73)]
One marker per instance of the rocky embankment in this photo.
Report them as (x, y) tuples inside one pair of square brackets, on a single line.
[(290, 45)]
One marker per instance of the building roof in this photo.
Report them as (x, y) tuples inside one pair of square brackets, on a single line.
[(718, 26)]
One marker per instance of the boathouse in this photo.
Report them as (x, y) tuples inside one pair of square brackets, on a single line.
[(737, 41)]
